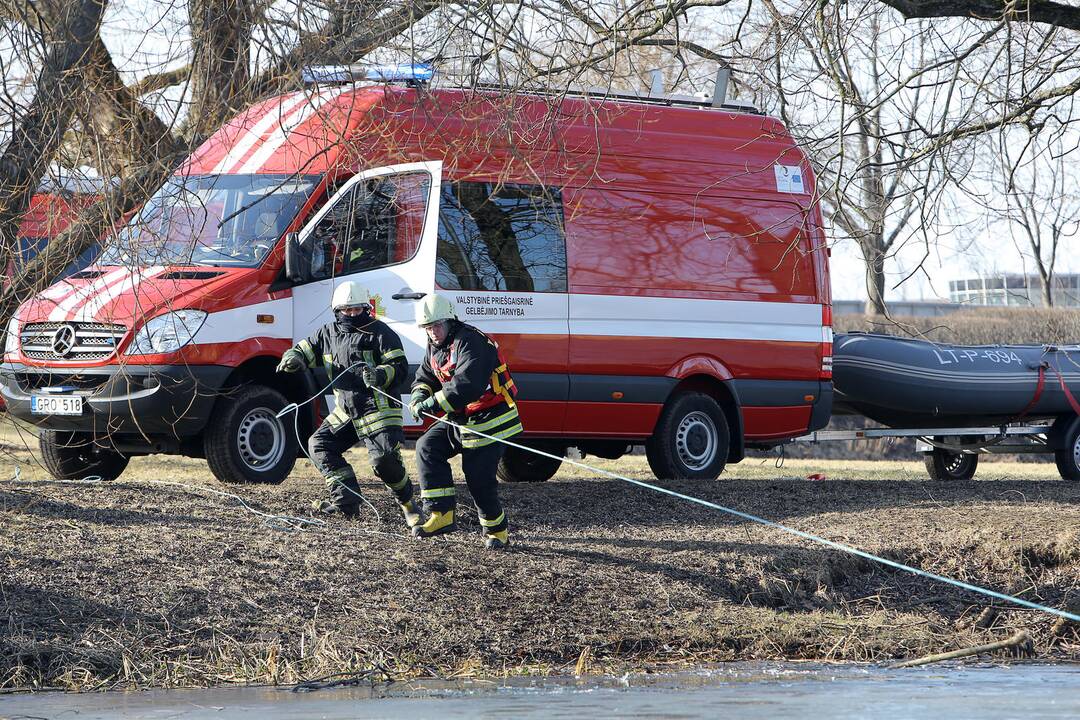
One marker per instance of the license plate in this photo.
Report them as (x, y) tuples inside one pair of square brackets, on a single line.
[(55, 405)]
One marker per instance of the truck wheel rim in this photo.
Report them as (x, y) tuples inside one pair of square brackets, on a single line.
[(695, 441), (260, 439), (1076, 452)]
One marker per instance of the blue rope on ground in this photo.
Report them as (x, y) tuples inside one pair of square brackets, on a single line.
[(769, 523)]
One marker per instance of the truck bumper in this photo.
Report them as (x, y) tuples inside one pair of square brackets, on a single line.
[(163, 401)]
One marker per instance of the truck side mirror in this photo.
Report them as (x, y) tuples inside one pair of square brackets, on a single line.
[(297, 264)]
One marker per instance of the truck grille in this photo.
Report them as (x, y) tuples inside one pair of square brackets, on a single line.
[(72, 341)]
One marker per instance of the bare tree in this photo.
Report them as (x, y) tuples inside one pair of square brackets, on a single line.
[(39, 131), (1033, 172), (1042, 11)]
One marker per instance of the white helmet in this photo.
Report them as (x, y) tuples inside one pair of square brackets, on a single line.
[(350, 294), (433, 308)]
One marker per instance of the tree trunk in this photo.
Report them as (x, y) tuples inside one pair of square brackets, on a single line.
[(221, 45), (39, 132), (125, 134), (874, 260), (1046, 281)]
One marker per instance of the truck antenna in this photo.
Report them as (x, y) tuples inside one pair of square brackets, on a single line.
[(723, 76)]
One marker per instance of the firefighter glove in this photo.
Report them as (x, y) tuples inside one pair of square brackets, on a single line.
[(418, 396), (292, 361), (373, 377), (427, 405)]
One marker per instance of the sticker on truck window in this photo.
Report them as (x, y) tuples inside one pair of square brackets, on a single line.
[(789, 179)]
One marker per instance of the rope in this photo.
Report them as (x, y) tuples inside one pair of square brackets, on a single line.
[(768, 523)]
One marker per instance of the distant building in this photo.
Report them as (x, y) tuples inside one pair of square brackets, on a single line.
[(1014, 290), (899, 308)]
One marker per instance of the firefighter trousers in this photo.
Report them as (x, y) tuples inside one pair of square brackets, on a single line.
[(330, 441), (433, 452)]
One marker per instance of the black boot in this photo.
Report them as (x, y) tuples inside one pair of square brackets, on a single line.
[(344, 497)]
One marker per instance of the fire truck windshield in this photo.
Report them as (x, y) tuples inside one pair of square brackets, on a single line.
[(220, 220)]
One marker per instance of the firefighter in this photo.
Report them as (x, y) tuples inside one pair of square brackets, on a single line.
[(464, 375), (359, 353)]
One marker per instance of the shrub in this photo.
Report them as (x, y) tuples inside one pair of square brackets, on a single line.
[(989, 326)]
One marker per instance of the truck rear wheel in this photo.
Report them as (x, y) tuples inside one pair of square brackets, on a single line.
[(942, 464), (245, 442), (1068, 457), (72, 456), (691, 439), (519, 465)]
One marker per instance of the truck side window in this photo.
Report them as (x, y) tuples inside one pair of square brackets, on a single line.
[(501, 237), (388, 220)]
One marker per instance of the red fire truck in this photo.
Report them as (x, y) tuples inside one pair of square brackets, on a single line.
[(655, 270)]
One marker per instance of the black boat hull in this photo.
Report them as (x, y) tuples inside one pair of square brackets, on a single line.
[(900, 382)]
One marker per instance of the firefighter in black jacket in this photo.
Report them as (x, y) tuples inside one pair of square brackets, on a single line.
[(463, 374), (359, 353)]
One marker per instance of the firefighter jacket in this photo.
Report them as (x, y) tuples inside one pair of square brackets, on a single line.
[(469, 379), (337, 346)]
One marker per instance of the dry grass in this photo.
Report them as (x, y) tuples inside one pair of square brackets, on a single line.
[(140, 585), (986, 326)]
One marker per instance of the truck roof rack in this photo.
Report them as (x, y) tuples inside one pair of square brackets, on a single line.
[(628, 96), (420, 75)]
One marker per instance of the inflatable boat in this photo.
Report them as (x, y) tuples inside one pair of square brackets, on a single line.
[(900, 382)]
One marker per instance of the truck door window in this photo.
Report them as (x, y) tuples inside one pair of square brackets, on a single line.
[(501, 237), (377, 222), (331, 234), (388, 221)]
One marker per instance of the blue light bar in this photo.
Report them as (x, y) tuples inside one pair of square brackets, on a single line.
[(402, 72)]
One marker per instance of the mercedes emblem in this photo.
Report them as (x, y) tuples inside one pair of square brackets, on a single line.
[(63, 340)]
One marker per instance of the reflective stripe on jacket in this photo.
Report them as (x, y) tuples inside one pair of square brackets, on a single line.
[(470, 380), (337, 346)]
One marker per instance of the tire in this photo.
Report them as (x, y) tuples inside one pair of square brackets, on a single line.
[(244, 441), (72, 456), (691, 439), (1068, 457), (942, 464), (521, 466)]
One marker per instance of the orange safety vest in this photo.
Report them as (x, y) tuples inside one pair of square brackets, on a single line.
[(500, 387)]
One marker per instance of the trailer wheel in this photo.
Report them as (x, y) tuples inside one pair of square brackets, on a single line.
[(519, 465), (72, 456), (1068, 457), (691, 439), (942, 464), (245, 442)]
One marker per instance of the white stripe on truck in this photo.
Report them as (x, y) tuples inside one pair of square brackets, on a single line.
[(621, 316), (61, 311), (91, 307), (282, 131), (255, 132)]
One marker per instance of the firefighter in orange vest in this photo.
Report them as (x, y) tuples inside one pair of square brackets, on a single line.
[(464, 375)]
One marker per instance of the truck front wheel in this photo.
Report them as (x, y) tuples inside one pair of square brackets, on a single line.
[(245, 442), (691, 439), (73, 456)]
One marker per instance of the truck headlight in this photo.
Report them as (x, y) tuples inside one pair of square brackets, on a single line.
[(167, 333), (10, 340)]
